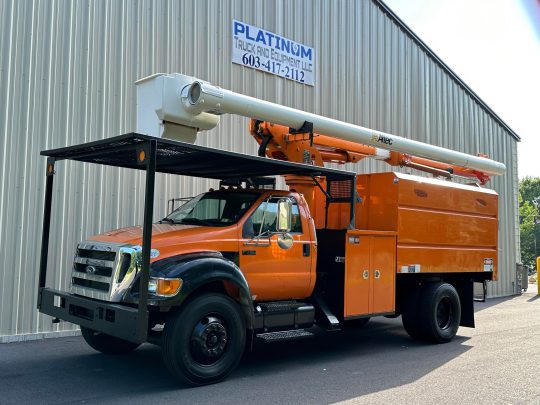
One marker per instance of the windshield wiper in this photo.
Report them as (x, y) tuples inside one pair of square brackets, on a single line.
[(195, 221)]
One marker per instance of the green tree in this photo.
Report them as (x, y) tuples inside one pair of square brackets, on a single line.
[(529, 219)]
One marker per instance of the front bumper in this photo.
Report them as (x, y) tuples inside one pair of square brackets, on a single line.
[(113, 319)]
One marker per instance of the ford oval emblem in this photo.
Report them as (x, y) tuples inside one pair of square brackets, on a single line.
[(91, 269)]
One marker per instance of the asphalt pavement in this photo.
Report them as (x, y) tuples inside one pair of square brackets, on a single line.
[(498, 362)]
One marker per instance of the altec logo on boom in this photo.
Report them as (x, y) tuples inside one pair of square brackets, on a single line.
[(272, 40), (381, 139)]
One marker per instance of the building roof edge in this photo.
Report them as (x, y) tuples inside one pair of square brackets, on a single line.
[(393, 16)]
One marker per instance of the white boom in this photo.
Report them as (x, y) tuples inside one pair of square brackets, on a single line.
[(177, 106)]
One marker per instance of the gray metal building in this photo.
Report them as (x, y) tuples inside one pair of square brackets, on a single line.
[(67, 71)]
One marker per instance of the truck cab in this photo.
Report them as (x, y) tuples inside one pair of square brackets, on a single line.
[(238, 224)]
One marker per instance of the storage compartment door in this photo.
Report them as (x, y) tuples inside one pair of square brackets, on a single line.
[(357, 275), (383, 267)]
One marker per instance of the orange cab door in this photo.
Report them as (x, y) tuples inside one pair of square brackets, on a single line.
[(272, 272)]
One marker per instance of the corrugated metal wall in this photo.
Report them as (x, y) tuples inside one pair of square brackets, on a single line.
[(66, 76)]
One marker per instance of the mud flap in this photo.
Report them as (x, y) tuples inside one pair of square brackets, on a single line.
[(466, 297)]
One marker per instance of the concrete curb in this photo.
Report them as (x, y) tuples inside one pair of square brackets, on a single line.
[(38, 336)]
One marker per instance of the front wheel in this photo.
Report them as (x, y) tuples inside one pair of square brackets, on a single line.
[(205, 340), (107, 344)]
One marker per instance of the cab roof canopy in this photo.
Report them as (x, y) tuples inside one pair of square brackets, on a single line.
[(186, 159)]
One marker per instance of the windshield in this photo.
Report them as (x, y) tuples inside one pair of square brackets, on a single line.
[(216, 208)]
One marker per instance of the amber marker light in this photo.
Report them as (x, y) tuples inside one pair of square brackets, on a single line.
[(164, 287), (142, 156)]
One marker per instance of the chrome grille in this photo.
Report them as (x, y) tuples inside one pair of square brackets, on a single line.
[(103, 270), (95, 269), (96, 254)]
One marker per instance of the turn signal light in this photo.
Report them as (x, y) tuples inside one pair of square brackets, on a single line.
[(164, 287)]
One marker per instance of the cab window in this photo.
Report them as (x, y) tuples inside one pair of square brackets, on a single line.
[(215, 208), (264, 219)]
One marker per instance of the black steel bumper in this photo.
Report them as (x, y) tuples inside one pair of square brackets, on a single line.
[(112, 319)]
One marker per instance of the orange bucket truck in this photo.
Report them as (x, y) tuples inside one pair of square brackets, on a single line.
[(246, 261)]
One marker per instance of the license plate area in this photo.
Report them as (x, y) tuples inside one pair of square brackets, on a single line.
[(81, 312)]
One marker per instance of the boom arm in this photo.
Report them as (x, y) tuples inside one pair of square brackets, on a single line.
[(178, 106), (278, 142)]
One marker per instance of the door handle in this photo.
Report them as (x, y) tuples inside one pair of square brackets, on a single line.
[(365, 275), (306, 249), (377, 274)]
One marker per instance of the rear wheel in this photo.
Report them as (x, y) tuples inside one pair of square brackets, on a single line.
[(440, 312), (410, 315), (107, 344), (205, 340)]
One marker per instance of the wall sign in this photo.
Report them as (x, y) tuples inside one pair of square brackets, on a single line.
[(263, 50)]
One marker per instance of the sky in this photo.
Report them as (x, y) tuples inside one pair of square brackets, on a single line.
[(494, 47)]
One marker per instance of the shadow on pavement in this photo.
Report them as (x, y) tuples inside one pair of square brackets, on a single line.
[(328, 368), (479, 306)]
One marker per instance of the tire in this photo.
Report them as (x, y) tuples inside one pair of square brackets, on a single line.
[(440, 312), (410, 315), (107, 344), (204, 342)]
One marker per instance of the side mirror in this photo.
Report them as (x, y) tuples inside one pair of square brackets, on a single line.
[(284, 215)]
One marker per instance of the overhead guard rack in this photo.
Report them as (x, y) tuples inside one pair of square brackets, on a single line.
[(142, 152)]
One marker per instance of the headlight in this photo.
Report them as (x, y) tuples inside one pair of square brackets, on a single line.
[(164, 287)]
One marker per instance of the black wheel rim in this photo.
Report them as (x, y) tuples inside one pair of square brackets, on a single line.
[(445, 313), (208, 340)]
